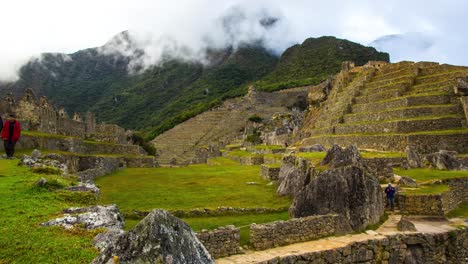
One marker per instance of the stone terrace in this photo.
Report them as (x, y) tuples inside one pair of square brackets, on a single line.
[(394, 106), (212, 130)]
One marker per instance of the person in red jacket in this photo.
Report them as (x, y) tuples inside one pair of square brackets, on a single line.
[(11, 133)]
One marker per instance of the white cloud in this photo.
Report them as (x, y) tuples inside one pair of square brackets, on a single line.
[(31, 27)]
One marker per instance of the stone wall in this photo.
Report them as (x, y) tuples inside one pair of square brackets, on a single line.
[(221, 242), (436, 204), (449, 247), (396, 142), (423, 204), (295, 230), (382, 168), (269, 172), (75, 145)]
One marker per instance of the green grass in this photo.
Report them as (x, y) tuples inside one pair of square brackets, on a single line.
[(184, 188), (241, 153), (22, 209), (312, 156), (383, 154), (426, 174), (20, 152), (427, 189), (42, 134), (266, 147), (461, 211)]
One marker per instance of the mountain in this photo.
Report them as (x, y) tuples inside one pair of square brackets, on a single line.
[(157, 98)]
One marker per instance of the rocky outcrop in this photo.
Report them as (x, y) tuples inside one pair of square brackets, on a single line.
[(337, 157), (94, 217), (159, 238), (313, 148), (407, 181), (413, 158), (443, 160), (345, 189), (293, 175), (85, 187)]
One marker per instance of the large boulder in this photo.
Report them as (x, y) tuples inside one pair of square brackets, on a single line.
[(413, 158), (444, 160), (93, 217), (346, 189), (293, 175), (337, 157), (158, 238)]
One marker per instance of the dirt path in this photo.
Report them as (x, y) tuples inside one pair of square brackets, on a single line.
[(388, 228)]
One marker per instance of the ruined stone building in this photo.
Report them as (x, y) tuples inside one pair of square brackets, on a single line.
[(41, 116)]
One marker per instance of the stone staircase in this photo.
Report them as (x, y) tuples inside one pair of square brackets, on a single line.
[(214, 129), (392, 107)]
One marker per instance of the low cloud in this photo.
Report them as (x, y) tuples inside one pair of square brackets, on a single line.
[(422, 30)]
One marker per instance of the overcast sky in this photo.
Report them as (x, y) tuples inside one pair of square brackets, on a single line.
[(435, 30)]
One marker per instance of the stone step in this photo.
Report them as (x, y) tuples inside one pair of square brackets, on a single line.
[(437, 69), (387, 87), (426, 142), (402, 126), (412, 100), (405, 78), (399, 113), (395, 74), (446, 76), (443, 89), (383, 95)]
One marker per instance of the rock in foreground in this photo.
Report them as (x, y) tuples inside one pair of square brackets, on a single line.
[(159, 238), (346, 189)]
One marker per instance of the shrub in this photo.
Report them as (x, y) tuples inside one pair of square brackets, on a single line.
[(255, 118), (46, 170)]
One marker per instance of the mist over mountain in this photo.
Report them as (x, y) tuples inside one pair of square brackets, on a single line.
[(115, 82)]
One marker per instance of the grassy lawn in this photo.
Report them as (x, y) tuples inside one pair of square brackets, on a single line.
[(461, 211), (425, 174), (196, 186), (22, 209), (265, 147), (427, 189)]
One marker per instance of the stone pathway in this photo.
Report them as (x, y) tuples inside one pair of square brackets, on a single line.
[(388, 228)]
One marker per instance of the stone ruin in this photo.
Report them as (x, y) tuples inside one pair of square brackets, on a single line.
[(40, 115)]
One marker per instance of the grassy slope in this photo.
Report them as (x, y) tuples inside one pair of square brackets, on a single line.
[(196, 186), (461, 211), (22, 208)]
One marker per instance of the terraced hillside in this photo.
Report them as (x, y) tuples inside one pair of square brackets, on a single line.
[(216, 128), (389, 106)]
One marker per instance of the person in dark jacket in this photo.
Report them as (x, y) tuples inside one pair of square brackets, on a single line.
[(1, 124), (390, 191), (11, 133)]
